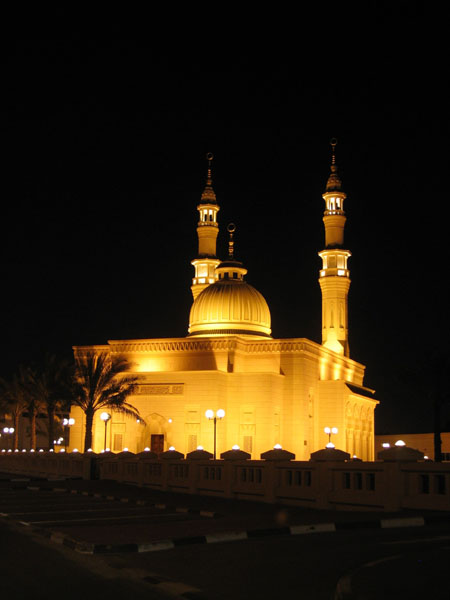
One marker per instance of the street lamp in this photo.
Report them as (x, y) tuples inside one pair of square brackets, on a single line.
[(211, 415), (105, 417), (8, 431), (329, 431), (67, 423)]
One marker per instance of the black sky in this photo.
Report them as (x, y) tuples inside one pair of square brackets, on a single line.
[(103, 163)]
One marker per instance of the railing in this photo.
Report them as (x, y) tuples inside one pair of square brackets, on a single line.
[(342, 485)]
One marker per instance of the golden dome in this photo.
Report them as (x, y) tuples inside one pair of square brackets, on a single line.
[(230, 306)]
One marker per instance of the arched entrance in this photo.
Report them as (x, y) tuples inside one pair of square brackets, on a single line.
[(155, 434)]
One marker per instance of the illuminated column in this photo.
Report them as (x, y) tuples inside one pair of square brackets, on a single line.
[(334, 276), (207, 229)]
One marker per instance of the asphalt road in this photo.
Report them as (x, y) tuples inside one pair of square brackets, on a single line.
[(35, 568), (358, 561), (326, 566)]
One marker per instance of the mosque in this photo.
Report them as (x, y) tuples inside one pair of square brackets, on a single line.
[(268, 391)]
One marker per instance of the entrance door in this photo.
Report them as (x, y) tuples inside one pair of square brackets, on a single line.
[(157, 442)]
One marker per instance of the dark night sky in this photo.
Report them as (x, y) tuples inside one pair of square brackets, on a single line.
[(103, 148)]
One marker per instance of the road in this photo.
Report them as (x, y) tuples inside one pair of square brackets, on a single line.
[(358, 561), (35, 568)]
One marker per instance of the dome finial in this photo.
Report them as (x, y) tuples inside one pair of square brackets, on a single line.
[(334, 183), (333, 144), (208, 195), (231, 229), (209, 158)]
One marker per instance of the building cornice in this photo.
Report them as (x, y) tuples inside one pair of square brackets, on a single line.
[(221, 344)]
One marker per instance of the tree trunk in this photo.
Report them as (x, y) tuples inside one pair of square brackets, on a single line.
[(51, 426), (33, 431), (437, 427), (88, 433), (16, 430)]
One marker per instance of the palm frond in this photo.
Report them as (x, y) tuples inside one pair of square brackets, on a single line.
[(103, 381)]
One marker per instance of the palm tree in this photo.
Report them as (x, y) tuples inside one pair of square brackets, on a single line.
[(100, 382), (33, 401), (50, 387), (15, 398)]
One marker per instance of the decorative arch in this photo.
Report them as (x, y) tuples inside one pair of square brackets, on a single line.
[(155, 424)]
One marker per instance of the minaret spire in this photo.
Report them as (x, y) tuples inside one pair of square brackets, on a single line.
[(334, 276), (207, 229), (208, 195), (231, 229), (231, 269)]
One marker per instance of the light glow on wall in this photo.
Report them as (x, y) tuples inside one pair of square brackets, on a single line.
[(149, 364), (337, 370)]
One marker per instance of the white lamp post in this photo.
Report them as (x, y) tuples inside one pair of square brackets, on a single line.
[(67, 423), (8, 431), (213, 416), (329, 431), (105, 417)]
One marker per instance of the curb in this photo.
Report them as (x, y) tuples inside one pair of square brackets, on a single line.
[(213, 538), (174, 589), (231, 536)]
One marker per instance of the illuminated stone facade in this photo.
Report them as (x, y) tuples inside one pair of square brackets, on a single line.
[(273, 391)]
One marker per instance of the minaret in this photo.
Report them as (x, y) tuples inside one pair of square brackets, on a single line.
[(207, 230), (334, 275)]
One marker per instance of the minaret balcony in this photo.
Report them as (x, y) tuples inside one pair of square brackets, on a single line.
[(334, 272), (208, 224), (328, 213)]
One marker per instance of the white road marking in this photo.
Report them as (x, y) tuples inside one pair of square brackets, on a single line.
[(317, 528), (96, 519), (226, 536), (344, 585), (153, 546), (409, 522), (76, 509)]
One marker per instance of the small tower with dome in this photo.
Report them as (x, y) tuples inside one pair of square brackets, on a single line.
[(207, 229), (334, 275), (230, 305)]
